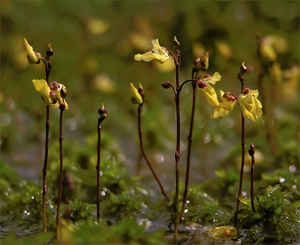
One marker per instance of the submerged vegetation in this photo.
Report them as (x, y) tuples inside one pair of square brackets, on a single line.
[(138, 177)]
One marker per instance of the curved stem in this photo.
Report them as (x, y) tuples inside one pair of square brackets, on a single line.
[(60, 172), (140, 107), (190, 136)]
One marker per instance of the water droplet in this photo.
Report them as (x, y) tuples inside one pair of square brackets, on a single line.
[(71, 124), (32, 197), (281, 180), (244, 193), (186, 210), (206, 138), (100, 173), (102, 193), (292, 168), (205, 195), (294, 187), (159, 158), (219, 139)]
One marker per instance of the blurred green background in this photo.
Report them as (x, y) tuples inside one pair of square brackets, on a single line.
[(94, 43)]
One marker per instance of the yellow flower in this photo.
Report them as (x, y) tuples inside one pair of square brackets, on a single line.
[(227, 104), (53, 94), (32, 56), (250, 105), (157, 53), (136, 98), (209, 93)]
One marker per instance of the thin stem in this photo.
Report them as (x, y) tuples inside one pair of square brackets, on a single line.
[(60, 170), (251, 153), (98, 168), (140, 107), (177, 153), (243, 144), (190, 137), (45, 168), (48, 66)]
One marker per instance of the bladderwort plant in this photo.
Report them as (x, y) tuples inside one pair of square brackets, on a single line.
[(251, 108), (102, 111), (161, 54), (53, 94)]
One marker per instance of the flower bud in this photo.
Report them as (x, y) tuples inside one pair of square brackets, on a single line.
[(141, 90), (243, 68), (246, 91), (102, 111), (201, 84), (205, 62), (176, 43), (166, 84), (251, 150), (197, 65), (49, 52)]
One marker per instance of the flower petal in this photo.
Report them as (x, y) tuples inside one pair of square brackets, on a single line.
[(44, 90), (251, 107), (157, 53), (224, 107), (210, 95)]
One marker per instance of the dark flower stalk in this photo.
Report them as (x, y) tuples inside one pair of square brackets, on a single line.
[(103, 113), (177, 152), (199, 64), (48, 66), (61, 175), (251, 153), (140, 107), (190, 137), (243, 69)]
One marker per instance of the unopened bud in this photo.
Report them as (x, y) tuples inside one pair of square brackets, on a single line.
[(166, 84), (246, 90), (102, 111), (243, 68), (141, 91), (197, 65), (205, 62), (251, 150), (201, 84), (49, 52), (176, 43), (63, 92)]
